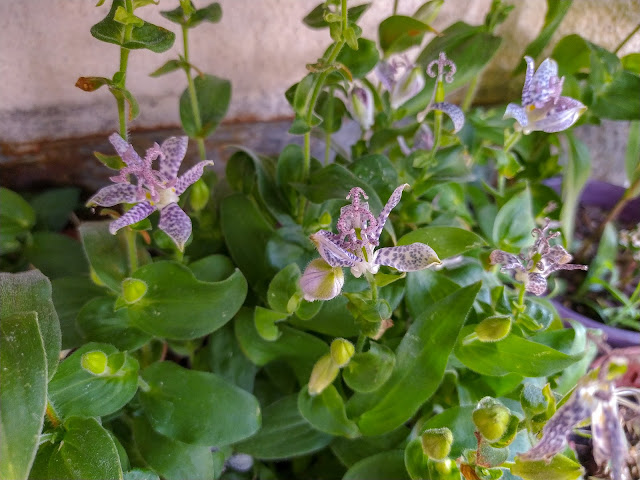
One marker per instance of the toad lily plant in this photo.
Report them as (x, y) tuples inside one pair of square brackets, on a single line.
[(542, 106), (154, 189), (355, 246)]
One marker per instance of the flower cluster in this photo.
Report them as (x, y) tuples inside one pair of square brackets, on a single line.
[(355, 245), (541, 260), (153, 189), (542, 106)]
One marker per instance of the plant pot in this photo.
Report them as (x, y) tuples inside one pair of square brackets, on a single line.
[(603, 195)]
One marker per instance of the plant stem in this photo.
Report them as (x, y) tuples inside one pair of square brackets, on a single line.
[(372, 285), (131, 249), (470, 94), (360, 343), (124, 62), (626, 39), (395, 6), (193, 97), (511, 141)]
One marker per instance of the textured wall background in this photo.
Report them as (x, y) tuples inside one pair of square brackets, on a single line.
[(260, 45)]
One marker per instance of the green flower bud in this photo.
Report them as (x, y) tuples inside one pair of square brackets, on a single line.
[(199, 195), (320, 281), (491, 418), (95, 362), (341, 351), (436, 443), (323, 374), (133, 290), (493, 329)]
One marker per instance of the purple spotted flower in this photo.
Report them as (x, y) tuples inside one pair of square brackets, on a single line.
[(541, 260), (153, 189), (422, 140), (361, 106), (358, 236), (444, 69), (542, 106), (401, 78)]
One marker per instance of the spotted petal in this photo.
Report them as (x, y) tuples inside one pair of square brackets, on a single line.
[(331, 250), (564, 113), (526, 93), (394, 199), (407, 258), (609, 439), (545, 82), (138, 212), (174, 150), (535, 283), (190, 176), (114, 195), (507, 260), (125, 150), (518, 113), (175, 223), (455, 113)]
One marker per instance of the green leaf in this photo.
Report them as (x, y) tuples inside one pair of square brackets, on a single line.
[(378, 171), (113, 162), (331, 110), (76, 391), (315, 18), (383, 465), (246, 233), (361, 61), (470, 47), (170, 458), (168, 67), (211, 13), (304, 95), (399, 33), (513, 354), (326, 412), (56, 255), (265, 321), (284, 434), (149, 36), (415, 461), (171, 286), (86, 451), (514, 222), (31, 292), (426, 287), (23, 392), (98, 321), (556, 10), (428, 11), (351, 451), (334, 319), (139, 474), (575, 177), (54, 207), (446, 241), (214, 96), (283, 288), (17, 217), (632, 156), (559, 468), (69, 296), (421, 359), (213, 268), (299, 349), (618, 99), (368, 371), (107, 254), (197, 407), (631, 62)]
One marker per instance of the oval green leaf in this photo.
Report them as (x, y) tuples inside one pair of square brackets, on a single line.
[(446, 241), (326, 412)]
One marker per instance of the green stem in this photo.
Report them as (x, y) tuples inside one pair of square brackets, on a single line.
[(626, 39), (132, 252), (193, 97), (471, 94), (360, 343), (372, 285), (519, 306), (327, 147), (395, 6), (511, 141), (143, 385), (124, 62)]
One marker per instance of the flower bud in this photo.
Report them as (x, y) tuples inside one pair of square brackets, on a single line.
[(323, 374), (341, 351), (133, 290), (493, 329), (407, 87), (95, 362), (199, 195), (491, 418), (321, 281), (361, 107), (436, 443)]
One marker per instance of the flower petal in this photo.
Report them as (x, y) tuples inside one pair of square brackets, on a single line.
[(321, 281), (330, 249), (115, 194), (191, 176), (518, 113), (394, 199), (507, 260), (174, 150), (610, 445), (175, 223), (385, 72), (125, 150), (119, 143), (535, 283), (544, 84), (564, 113), (455, 114), (526, 93), (137, 213), (407, 258)]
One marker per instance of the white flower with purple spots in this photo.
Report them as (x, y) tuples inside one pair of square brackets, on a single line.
[(359, 233), (153, 189), (401, 78), (542, 106)]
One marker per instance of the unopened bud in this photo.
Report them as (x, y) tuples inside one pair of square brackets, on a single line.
[(95, 362), (133, 290), (199, 195), (407, 87), (493, 329), (321, 281), (323, 374), (341, 351), (361, 107), (491, 418), (436, 443), (532, 399)]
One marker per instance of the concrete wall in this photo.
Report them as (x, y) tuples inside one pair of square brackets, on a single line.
[(260, 45)]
